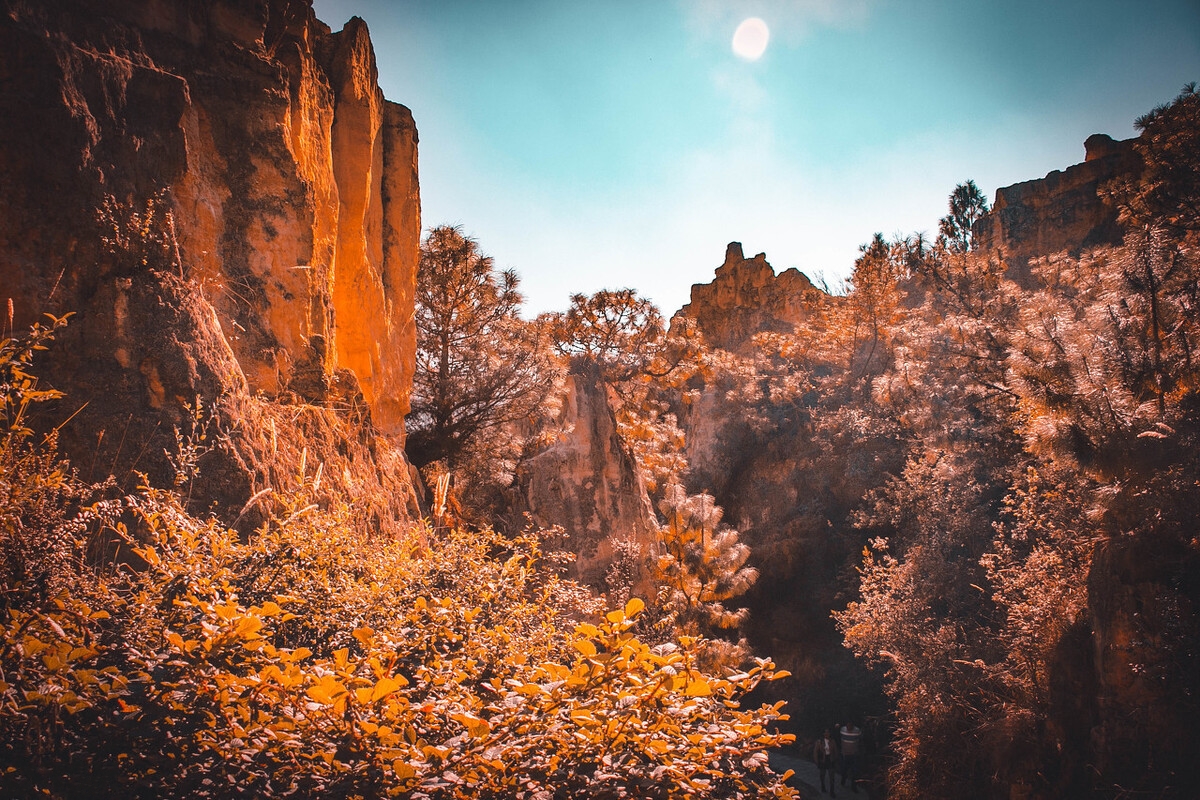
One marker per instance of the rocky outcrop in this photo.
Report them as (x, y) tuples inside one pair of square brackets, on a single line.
[(1062, 211), (586, 482), (286, 267), (747, 297)]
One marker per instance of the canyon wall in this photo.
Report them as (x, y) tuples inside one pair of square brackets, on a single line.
[(1063, 211), (792, 481), (788, 494), (221, 196)]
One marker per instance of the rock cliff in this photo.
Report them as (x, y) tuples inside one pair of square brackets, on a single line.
[(260, 224), (747, 297), (587, 482), (1062, 211)]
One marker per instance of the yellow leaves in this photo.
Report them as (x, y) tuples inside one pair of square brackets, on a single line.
[(149, 555), (326, 690), (434, 751), (226, 611), (81, 654), (248, 627), (498, 689), (383, 688), (31, 645), (267, 609), (476, 727)]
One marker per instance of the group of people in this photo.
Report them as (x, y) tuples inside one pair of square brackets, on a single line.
[(842, 750)]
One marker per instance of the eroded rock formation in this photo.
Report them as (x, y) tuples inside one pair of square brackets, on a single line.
[(288, 264), (747, 297), (587, 482), (1060, 212)]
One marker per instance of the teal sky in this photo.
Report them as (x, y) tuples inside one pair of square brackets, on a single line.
[(619, 143)]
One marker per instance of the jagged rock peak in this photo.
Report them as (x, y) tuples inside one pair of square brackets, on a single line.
[(747, 297)]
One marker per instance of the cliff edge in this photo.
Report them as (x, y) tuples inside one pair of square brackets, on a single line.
[(1063, 211)]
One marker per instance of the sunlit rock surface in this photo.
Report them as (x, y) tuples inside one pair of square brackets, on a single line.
[(586, 481), (747, 297), (296, 212)]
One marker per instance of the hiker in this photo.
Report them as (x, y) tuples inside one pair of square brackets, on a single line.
[(825, 755), (851, 736)]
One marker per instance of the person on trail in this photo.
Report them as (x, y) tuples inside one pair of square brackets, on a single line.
[(851, 736), (825, 755)]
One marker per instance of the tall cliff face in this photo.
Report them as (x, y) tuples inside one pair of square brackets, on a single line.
[(1062, 211), (292, 183), (747, 297)]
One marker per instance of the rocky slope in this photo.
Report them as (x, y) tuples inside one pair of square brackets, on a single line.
[(286, 267)]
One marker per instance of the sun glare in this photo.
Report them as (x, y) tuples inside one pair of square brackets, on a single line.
[(750, 39)]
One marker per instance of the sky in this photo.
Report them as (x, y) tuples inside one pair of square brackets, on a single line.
[(624, 143)]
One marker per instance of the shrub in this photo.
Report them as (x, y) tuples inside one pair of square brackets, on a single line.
[(311, 661)]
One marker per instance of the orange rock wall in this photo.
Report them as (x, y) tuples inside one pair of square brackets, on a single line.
[(293, 182), (1063, 211)]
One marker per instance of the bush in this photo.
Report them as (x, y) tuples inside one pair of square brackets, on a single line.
[(311, 661)]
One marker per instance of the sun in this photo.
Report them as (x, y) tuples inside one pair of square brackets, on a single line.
[(750, 39)]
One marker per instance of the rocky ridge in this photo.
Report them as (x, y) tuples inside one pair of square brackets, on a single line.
[(1064, 211)]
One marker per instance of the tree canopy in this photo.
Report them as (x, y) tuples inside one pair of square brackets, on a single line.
[(480, 366)]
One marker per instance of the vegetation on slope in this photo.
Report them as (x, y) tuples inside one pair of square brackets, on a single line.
[(149, 652)]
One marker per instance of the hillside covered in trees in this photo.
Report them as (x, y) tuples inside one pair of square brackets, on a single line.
[(961, 487), (296, 502)]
